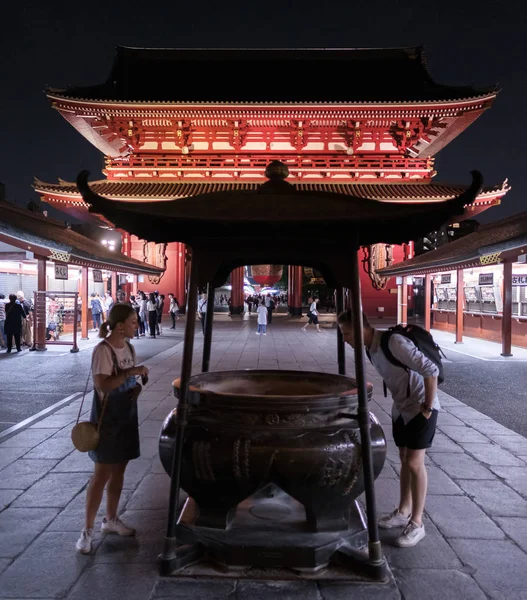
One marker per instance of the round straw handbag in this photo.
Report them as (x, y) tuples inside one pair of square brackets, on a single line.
[(85, 434)]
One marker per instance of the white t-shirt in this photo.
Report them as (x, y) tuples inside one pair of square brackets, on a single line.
[(151, 306), (103, 361), (313, 308), (262, 315)]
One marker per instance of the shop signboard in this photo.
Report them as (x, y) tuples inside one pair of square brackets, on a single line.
[(61, 271), (486, 279), (97, 276), (446, 278), (519, 279)]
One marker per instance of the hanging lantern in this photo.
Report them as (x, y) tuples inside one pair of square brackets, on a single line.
[(266, 275)]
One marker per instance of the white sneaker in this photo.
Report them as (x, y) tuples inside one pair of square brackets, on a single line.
[(84, 542), (394, 519), (116, 526), (412, 534), (265, 334), (257, 332)]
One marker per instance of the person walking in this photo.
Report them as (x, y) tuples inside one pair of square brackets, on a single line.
[(151, 309), (14, 315), (413, 387), (313, 315), (114, 373), (160, 308), (27, 332), (135, 305), (108, 304), (2, 320), (96, 311), (262, 319), (202, 311), (173, 309), (143, 315)]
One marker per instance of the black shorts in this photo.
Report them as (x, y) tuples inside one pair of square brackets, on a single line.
[(417, 434)]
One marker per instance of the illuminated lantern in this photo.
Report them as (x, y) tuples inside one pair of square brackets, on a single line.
[(266, 275)]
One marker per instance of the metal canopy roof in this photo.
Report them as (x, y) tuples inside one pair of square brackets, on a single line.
[(276, 223)]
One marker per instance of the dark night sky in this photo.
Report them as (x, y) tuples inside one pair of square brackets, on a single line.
[(61, 43)]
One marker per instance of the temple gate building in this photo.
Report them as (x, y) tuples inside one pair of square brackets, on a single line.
[(173, 123)]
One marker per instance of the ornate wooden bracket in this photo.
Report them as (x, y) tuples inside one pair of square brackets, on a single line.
[(377, 257)]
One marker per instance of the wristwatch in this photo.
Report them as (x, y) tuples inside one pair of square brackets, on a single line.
[(427, 409)]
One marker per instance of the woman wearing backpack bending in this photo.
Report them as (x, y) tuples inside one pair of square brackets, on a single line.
[(413, 385)]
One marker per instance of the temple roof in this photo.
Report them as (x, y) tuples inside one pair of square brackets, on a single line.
[(235, 76), (170, 190), (482, 247), (53, 239)]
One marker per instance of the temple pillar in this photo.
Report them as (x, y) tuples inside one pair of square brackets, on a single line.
[(506, 323), (84, 301), (113, 288), (296, 293), (404, 302), (459, 307), (428, 301), (179, 267), (39, 332), (237, 291), (289, 288)]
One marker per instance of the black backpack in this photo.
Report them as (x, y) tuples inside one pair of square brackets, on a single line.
[(424, 342)]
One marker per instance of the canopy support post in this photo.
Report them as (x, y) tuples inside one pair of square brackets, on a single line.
[(506, 323), (341, 348), (428, 301), (207, 340), (175, 554), (376, 558)]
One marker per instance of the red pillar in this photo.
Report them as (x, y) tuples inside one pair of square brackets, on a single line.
[(84, 300), (296, 296), (179, 266), (459, 307), (404, 302), (428, 302), (39, 333), (237, 291), (506, 323), (289, 287), (114, 285)]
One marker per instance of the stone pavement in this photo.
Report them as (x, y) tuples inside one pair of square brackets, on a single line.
[(476, 521)]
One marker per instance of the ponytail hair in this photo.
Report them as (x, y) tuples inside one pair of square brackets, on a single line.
[(118, 314)]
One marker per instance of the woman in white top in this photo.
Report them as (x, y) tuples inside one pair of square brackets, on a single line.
[(151, 308), (313, 315), (115, 388), (262, 318)]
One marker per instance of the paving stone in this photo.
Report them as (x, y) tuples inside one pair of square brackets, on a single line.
[(386, 494), (515, 477), (461, 466), (135, 471), (495, 498), (54, 490), (7, 496), (421, 584), (27, 438), (76, 462), (23, 473), (9, 455), (185, 588), (464, 434), (447, 420), (440, 484), (47, 569), (4, 563), (499, 565), (459, 517), (335, 590), (20, 526), (432, 552), (442, 443), (57, 448), (285, 590), (492, 454), (149, 429), (467, 414), (516, 528), (54, 421), (491, 427), (152, 493), (516, 444)]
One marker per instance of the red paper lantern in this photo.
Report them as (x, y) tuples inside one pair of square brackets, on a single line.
[(266, 275)]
